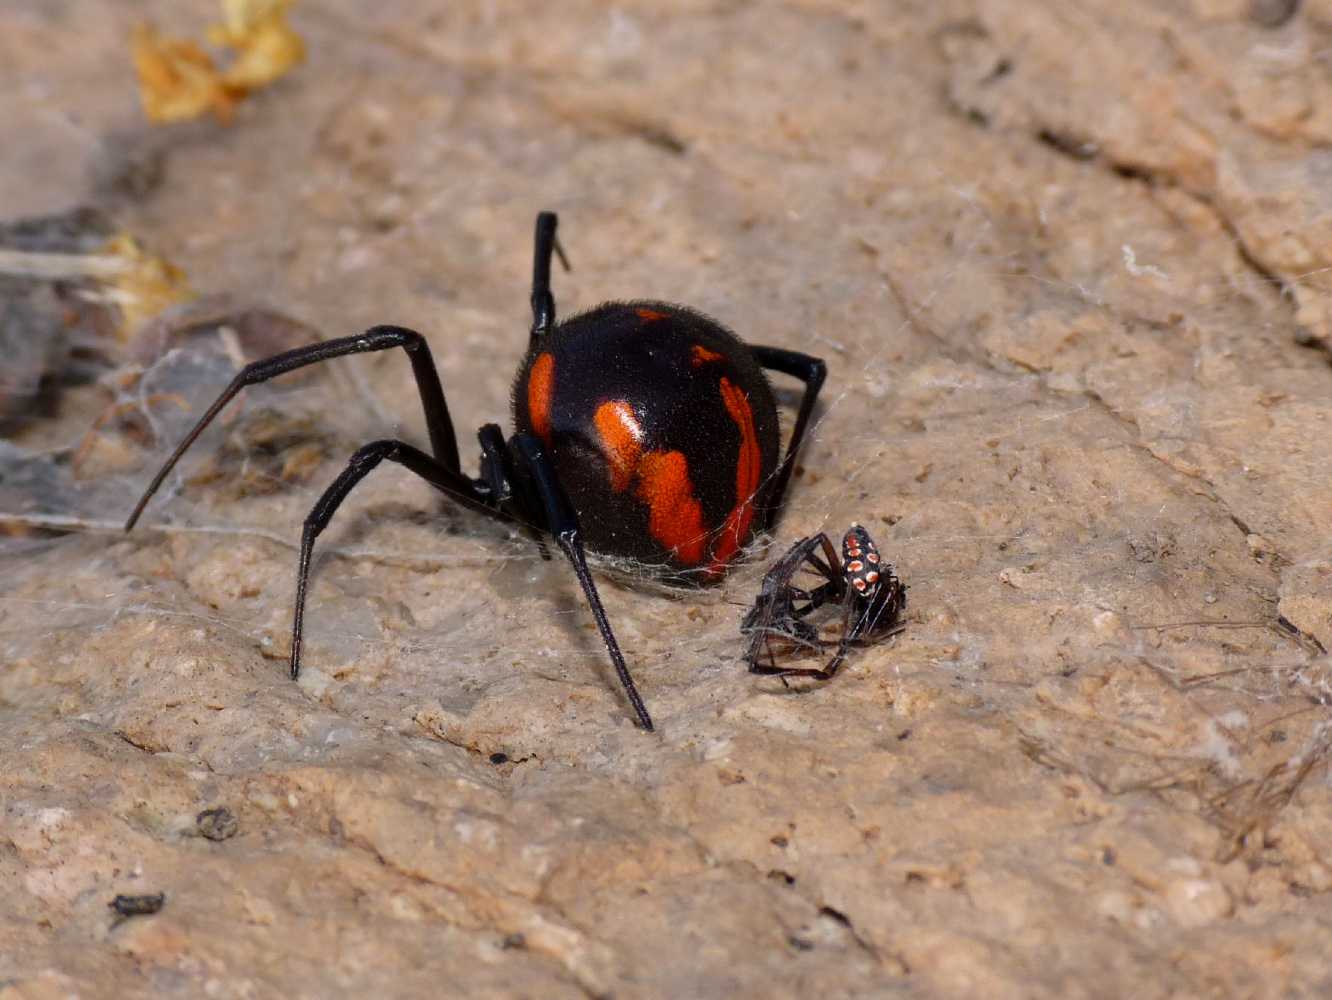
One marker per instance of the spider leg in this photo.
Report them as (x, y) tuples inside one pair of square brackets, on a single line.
[(862, 618), (812, 372), (498, 474), (378, 338), (829, 567), (358, 467), (543, 302), (562, 522), (851, 630), (775, 613)]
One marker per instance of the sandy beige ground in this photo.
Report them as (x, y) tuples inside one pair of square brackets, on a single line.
[(1069, 266)]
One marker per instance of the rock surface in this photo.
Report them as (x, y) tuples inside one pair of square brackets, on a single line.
[(1069, 266)]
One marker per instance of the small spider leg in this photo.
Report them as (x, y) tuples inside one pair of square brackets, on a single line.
[(543, 302), (562, 522), (830, 567), (358, 467), (853, 615), (775, 612), (812, 371), (378, 338), (863, 617)]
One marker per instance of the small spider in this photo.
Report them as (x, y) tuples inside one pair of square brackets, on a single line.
[(871, 595), (645, 430)]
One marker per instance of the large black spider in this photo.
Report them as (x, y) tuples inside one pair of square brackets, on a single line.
[(644, 429), (871, 595)]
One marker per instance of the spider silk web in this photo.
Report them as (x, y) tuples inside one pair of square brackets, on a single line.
[(403, 573)]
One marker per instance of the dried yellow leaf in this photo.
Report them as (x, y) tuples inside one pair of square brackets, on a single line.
[(145, 287), (177, 79), (266, 46)]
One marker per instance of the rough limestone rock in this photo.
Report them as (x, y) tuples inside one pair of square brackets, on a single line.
[(1071, 270)]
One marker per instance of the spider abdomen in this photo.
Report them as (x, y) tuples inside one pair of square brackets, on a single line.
[(662, 429)]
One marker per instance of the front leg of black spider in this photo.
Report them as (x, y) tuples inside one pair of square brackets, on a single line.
[(492, 493), (664, 494)]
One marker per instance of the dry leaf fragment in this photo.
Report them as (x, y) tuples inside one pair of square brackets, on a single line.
[(145, 287), (266, 46), (179, 81)]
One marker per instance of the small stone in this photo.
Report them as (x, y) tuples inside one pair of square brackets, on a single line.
[(1197, 902), (138, 906), (217, 824)]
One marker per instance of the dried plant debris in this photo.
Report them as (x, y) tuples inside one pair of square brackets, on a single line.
[(265, 452), (180, 81), (68, 278), (137, 381), (1247, 809), (143, 286), (247, 331), (151, 397), (51, 324), (213, 335)]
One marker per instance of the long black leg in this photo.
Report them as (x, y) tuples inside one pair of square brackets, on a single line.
[(358, 467), (543, 302), (812, 371), (562, 522), (377, 338), (498, 473)]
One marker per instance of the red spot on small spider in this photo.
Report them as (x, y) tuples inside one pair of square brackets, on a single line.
[(859, 584), (649, 314), (872, 557), (855, 566), (871, 577)]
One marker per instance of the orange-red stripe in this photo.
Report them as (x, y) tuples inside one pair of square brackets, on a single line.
[(620, 437), (701, 356), (650, 314), (675, 518), (540, 393), (748, 469)]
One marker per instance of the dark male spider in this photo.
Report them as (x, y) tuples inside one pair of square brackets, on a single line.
[(644, 429), (871, 595)]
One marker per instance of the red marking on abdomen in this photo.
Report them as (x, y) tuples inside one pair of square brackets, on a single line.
[(650, 314), (701, 356), (675, 517), (540, 392), (748, 469), (620, 437)]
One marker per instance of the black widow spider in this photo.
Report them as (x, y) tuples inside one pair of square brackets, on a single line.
[(871, 595), (643, 428)]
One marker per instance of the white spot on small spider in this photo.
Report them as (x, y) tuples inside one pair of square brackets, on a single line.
[(873, 557)]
